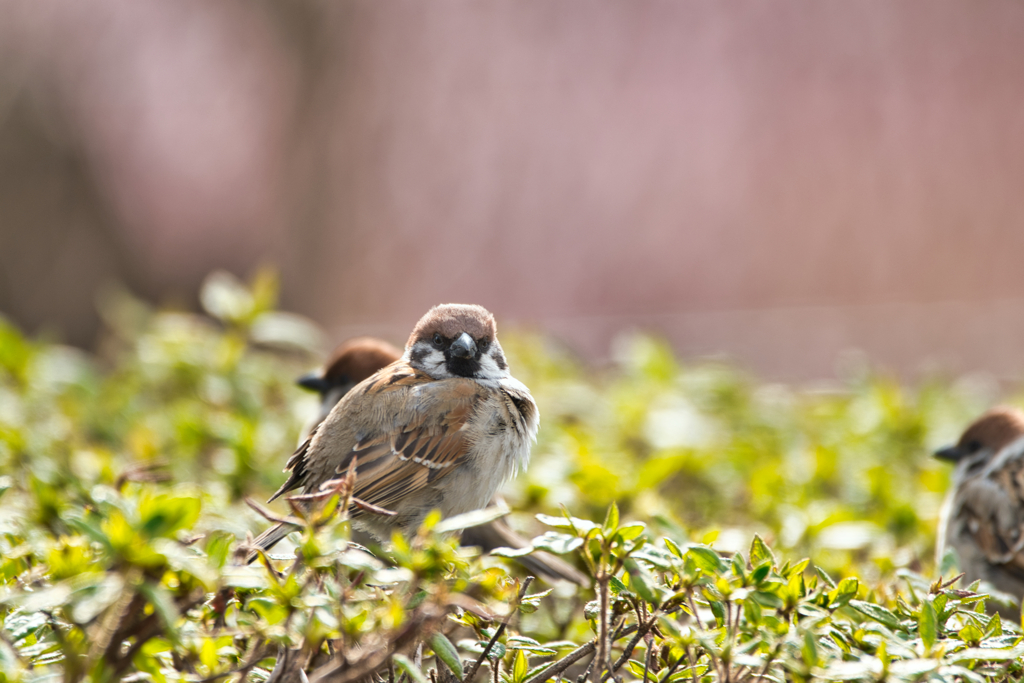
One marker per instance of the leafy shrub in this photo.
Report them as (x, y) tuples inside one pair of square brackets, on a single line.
[(122, 516)]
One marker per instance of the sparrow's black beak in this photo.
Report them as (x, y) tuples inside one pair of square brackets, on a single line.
[(463, 347), (314, 382), (950, 453)]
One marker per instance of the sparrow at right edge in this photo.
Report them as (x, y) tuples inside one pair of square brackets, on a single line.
[(359, 358), (982, 518)]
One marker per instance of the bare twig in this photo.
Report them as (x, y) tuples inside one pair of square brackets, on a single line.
[(641, 631), (342, 671), (952, 581), (143, 472), (116, 622), (647, 661), (602, 624), (497, 633), (269, 515), (563, 664), (345, 487), (149, 628), (672, 669), (586, 674)]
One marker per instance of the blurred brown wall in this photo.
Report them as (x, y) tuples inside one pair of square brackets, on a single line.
[(775, 181)]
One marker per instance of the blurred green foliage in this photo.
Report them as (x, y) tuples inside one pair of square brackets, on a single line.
[(122, 478)]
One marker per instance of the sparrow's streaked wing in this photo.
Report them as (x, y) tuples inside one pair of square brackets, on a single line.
[(992, 504), (402, 453)]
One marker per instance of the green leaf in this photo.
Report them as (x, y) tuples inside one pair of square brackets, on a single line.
[(760, 574), (447, 653), (825, 577), (752, 612), (843, 593), (629, 532), (810, 649), (409, 667), (557, 543), (471, 519), (995, 627), (706, 558), (528, 644), (985, 654), (519, 666), (512, 552), (797, 568), (582, 526), (675, 549), (642, 583), (760, 552), (876, 612), (970, 634), (927, 626), (611, 519), (767, 599)]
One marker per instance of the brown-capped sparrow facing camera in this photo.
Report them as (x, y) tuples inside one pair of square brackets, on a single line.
[(357, 359), (982, 519)]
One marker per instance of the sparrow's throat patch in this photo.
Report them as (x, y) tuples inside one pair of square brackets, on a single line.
[(463, 367)]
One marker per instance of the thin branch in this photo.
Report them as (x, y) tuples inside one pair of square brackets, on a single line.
[(268, 514), (641, 631), (343, 671), (603, 597), (497, 633), (563, 664), (672, 669), (586, 674), (149, 628)]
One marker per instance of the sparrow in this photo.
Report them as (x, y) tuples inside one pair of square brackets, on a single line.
[(357, 359), (982, 518), (440, 428)]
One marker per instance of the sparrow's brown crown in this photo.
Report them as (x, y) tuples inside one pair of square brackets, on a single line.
[(992, 431), (358, 358), (451, 320)]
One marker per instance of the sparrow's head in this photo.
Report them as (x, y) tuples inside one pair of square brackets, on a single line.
[(986, 436), (457, 340), (350, 364)]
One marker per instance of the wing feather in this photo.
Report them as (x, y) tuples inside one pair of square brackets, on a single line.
[(992, 504), (407, 430)]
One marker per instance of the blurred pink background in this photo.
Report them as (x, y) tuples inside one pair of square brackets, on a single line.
[(777, 182)]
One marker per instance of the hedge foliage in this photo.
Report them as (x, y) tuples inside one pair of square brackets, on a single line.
[(733, 530)]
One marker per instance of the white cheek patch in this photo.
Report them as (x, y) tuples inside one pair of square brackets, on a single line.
[(489, 368), (428, 359)]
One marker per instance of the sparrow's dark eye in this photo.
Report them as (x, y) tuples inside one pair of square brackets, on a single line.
[(438, 340), (482, 343), (973, 446)]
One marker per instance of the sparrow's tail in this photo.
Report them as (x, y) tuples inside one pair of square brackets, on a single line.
[(269, 538), (498, 534)]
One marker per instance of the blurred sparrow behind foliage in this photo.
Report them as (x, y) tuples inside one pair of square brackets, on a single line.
[(123, 476)]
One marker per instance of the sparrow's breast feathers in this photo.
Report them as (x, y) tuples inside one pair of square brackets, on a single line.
[(409, 431), (988, 509)]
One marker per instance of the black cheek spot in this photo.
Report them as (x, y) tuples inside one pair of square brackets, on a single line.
[(418, 354), (499, 358)]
